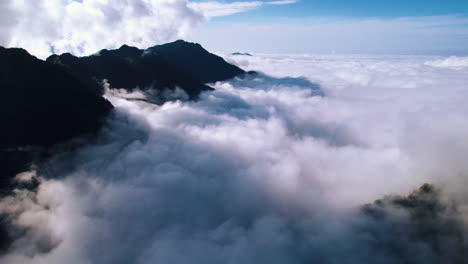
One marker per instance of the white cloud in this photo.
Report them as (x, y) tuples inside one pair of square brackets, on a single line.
[(214, 8), (82, 28), (7, 20), (85, 27), (283, 2), (451, 62), (261, 170)]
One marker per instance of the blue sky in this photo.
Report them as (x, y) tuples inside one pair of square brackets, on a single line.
[(360, 8), (342, 26), (425, 27)]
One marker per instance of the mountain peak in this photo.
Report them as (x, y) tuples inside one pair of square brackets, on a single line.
[(181, 41), (126, 50), (193, 58), (126, 47)]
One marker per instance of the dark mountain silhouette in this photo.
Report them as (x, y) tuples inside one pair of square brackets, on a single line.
[(194, 59), (40, 105), (177, 64)]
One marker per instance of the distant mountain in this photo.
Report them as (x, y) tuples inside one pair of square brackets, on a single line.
[(177, 64), (242, 54)]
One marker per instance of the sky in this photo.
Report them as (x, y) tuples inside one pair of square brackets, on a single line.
[(361, 8), (354, 26), (282, 26)]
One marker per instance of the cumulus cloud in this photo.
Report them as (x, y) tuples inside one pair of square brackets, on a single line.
[(84, 27), (87, 26), (271, 168), (7, 20)]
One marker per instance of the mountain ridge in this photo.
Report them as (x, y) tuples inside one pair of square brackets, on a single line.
[(46, 102), (177, 64)]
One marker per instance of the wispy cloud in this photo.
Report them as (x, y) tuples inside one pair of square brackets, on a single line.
[(284, 2), (214, 8)]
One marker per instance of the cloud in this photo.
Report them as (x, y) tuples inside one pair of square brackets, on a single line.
[(85, 27), (212, 9), (283, 2), (7, 21), (263, 170), (451, 62), (88, 26)]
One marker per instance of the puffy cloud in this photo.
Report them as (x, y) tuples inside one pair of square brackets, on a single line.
[(85, 27), (7, 21), (265, 169), (82, 28)]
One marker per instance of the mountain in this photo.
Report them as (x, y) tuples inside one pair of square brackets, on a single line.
[(44, 103), (48, 102), (194, 59), (177, 64), (41, 104), (425, 218), (242, 54)]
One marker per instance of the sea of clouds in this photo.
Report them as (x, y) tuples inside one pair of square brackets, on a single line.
[(271, 168)]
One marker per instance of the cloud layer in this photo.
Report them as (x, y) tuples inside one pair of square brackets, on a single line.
[(263, 170), (450, 62)]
